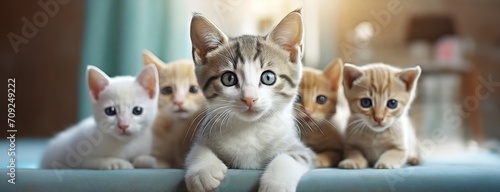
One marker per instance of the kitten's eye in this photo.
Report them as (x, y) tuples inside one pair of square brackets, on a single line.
[(110, 111), (193, 89), (137, 110), (166, 90), (268, 78), (229, 79), (366, 102), (392, 104), (321, 99), (298, 99)]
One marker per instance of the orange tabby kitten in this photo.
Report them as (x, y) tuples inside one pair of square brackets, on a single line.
[(379, 132), (316, 106), (179, 101)]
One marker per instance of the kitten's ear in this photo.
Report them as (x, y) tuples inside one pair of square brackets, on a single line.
[(148, 79), (205, 36), (333, 72), (150, 58), (97, 80), (351, 74), (410, 77), (289, 34)]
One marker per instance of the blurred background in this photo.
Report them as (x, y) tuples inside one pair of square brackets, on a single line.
[(47, 44)]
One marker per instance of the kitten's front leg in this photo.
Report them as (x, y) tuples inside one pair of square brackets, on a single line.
[(284, 172), (391, 159), (205, 170), (109, 163), (354, 159), (328, 159), (144, 161)]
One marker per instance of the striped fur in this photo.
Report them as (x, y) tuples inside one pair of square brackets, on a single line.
[(233, 134), (315, 119)]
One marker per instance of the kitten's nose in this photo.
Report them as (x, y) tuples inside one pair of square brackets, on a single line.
[(249, 101), (178, 103), (123, 127), (378, 119)]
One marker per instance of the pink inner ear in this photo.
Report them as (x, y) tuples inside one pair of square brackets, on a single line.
[(147, 79), (96, 82)]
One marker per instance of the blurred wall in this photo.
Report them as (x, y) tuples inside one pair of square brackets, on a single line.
[(45, 63)]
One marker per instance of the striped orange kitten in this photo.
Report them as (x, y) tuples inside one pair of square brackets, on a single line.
[(379, 132), (180, 99), (250, 83), (316, 106)]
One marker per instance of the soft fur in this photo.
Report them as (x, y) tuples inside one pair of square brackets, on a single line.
[(392, 142), (176, 110), (250, 124), (314, 117), (97, 142)]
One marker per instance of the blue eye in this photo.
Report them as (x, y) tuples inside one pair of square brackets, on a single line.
[(268, 78), (366, 102), (392, 104), (321, 99), (110, 111), (229, 79), (137, 110)]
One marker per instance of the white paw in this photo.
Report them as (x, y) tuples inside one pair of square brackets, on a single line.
[(352, 164), (112, 164), (207, 178), (274, 187), (144, 161), (387, 165)]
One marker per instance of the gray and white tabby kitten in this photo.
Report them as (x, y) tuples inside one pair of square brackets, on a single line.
[(250, 83)]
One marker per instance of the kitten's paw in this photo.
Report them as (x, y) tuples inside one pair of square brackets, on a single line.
[(414, 160), (352, 164), (144, 161), (322, 162), (112, 164), (387, 165), (208, 178), (274, 187)]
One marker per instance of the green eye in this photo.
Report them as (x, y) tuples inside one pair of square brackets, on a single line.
[(268, 78), (229, 79)]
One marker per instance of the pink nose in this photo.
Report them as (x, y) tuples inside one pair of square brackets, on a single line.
[(123, 127), (249, 101), (378, 119), (178, 103)]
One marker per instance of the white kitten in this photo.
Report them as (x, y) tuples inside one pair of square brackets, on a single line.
[(118, 136)]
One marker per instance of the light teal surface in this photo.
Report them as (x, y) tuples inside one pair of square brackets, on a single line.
[(472, 171), (117, 31)]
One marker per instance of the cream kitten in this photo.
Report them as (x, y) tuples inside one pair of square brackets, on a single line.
[(179, 101), (379, 132), (118, 136), (315, 108), (250, 83)]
